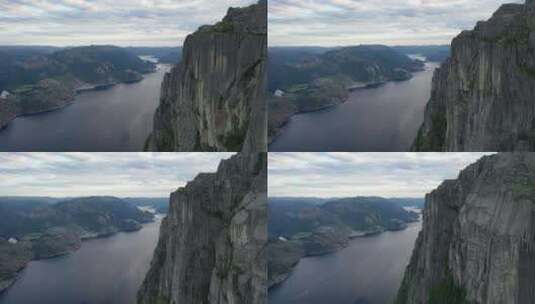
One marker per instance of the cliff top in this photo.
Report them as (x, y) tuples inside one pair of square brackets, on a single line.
[(251, 19)]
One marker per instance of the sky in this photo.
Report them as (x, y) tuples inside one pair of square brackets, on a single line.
[(97, 174), (332, 175), (117, 22), (390, 22)]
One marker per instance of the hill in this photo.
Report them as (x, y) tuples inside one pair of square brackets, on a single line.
[(37, 81), (37, 228), (302, 227), (303, 80)]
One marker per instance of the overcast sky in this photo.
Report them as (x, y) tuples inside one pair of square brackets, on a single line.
[(391, 22), (362, 174), (116, 174), (118, 22)]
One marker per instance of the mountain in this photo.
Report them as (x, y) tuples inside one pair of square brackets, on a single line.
[(478, 237), (482, 97), (214, 99), (304, 81), (39, 81), (300, 228), (38, 228), (211, 245)]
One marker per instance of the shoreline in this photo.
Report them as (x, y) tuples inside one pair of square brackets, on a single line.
[(68, 252), (350, 239), (350, 91), (76, 92)]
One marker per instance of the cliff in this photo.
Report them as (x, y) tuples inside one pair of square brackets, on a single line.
[(214, 99), (482, 97), (477, 244), (211, 245)]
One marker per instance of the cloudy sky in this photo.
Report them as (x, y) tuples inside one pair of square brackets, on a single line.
[(117, 174), (118, 22), (391, 22), (362, 174)]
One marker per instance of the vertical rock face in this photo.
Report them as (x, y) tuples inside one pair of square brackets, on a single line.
[(483, 96), (477, 243), (211, 245), (214, 100)]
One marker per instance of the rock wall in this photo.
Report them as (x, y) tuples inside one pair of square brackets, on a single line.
[(482, 97), (477, 243), (214, 100), (211, 245)]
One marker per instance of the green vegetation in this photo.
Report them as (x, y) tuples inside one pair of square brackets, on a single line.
[(528, 71), (524, 190), (435, 139), (223, 26), (447, 292)]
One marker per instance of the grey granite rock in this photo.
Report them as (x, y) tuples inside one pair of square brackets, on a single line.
[(211, 245), (479, 235), (482, 97), (214, 100)]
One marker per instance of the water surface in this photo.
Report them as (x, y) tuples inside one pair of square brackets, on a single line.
[(103, 271), (386, 118), (116, 119), (368, 271)]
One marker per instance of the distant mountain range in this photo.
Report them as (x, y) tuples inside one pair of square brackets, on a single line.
[(43, 227), (300, 227)]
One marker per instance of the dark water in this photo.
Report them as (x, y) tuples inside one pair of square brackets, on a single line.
[(116, 119), (386, 118), (102, 271), (368, 271)]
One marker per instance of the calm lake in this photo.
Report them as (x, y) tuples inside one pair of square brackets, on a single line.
[(386, 118), (115, 119), (368, 271), (107, 270)]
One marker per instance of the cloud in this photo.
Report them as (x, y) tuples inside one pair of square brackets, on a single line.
[(391, 22), (118, 22), (117, 174), (362, 174)]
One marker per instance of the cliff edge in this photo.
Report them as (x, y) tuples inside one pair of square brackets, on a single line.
[(477, 243), (482, 97), (214, 100), (211, 245)]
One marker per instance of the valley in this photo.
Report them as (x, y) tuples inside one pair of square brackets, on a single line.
[(33, 228), (371, 96), (300, 228)]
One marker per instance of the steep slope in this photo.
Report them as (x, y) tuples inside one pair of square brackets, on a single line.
[(477, 244), (482, 97), (211, 245), (214, 99)]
